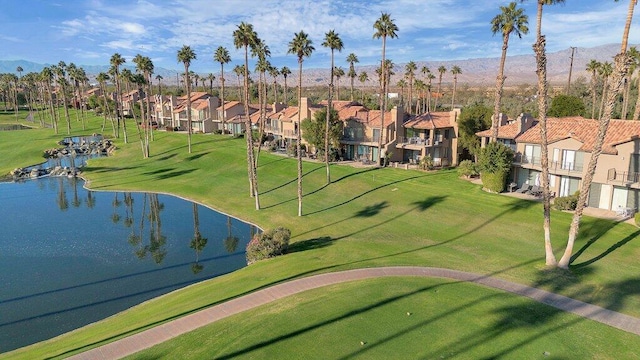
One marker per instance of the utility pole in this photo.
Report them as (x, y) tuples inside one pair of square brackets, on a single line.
[(573, 49)]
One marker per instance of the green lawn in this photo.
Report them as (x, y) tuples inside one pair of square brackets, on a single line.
[(364, 218), (369, 320)]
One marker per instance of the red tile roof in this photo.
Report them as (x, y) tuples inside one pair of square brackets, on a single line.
[(433, 120), (508, 131), (585, 131)]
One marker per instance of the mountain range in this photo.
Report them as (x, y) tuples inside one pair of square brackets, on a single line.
[(519, 69)]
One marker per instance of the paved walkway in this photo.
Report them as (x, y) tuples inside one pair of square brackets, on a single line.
[(167, 331)]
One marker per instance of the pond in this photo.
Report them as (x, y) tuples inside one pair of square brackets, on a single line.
[(70, 257)]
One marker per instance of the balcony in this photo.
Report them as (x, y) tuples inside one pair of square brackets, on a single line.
[(359, 138), (623, 177), (555, 167), (272, 129), (417, 141), (290, 133)]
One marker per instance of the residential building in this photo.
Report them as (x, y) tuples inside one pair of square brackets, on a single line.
[(203, 112), (433, 133), (616, 182)]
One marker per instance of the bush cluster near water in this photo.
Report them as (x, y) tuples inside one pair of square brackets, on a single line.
[(269, 244)]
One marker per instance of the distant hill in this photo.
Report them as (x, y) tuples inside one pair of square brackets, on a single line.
[(519, 69)]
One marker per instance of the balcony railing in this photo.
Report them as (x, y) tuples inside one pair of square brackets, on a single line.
[(355, 138), (554, 166), (414, 141), (272, 129), (290, 132), (624, 177)]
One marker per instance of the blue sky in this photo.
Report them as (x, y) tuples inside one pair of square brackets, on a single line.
[(88, 32)]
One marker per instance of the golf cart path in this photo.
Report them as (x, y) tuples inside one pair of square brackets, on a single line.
[(174, 328)]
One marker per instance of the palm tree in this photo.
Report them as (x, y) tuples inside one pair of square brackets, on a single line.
[(61, 79), (455, 71), (145, 66), (301, 47), (261, 50), (222, 56), (19, 70), (285, 71), (333, 42), (420, 87), (185, 56), (402, 83), (211, 78), (274, 72), (430, 77), (102, 80), (410, 72), (338, 72), (352, 59), (239, 70), (115, 61), (622, 62), (511, 20), (541, 63), (605, 70), (593, 67), (244, 37), (384, 28), (47, 77), (363, 77), (159, 78), (633, 55), (196, 78), (441, 71), (426, 72)]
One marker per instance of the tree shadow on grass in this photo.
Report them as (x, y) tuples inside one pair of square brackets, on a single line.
[(167, 157), (611, 249), (102, 169), (287, 183), (366, 212), (364, 193), (196, 156), (173, 174), (159, 171), (263, 164)]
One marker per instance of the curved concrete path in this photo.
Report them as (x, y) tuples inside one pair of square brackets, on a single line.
[(164, 332)]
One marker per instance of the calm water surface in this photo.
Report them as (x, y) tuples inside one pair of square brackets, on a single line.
[(70, 257)]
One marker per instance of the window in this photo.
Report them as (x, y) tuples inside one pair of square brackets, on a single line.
[(376, 134), (531, 154), (568, 159)]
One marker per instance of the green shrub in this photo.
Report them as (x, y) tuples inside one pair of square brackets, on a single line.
[(467, 169), (636, 217), (566, 202), (494, 163), (426, 162), (494, 182), (268, 244)]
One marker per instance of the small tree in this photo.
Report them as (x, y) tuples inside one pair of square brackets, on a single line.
[(473, 119), (313, 130), (494, 163), (566, 105)]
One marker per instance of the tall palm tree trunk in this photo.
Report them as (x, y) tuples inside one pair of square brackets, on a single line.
[(253, 176), (541, 62), (383, 96), (328, 120), (636, 111), (499, 87), (299, 139), (622, 63)]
